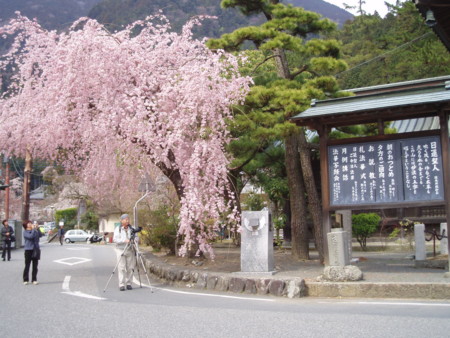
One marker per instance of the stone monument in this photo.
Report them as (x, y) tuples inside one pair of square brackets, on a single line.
[(257, 242), (338, 247), (339, 268), (344, 219)]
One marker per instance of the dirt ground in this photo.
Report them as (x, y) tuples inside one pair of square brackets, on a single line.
[(227, 259)]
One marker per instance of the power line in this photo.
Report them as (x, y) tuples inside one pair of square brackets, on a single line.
[(388, 52), (15, 168)]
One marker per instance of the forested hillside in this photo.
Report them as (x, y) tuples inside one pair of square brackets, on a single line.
[(399, 47), (328, 10), (116, 13), (52, 14)]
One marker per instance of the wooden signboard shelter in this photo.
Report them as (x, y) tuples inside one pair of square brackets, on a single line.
[(407, 169)]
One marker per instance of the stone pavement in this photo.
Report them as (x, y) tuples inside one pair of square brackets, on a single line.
[(386, 274)]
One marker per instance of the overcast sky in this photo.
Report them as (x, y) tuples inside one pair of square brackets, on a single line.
[(370, 6)]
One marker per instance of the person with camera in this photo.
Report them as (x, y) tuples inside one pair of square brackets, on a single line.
[(32, 234), (124, 236), (7, 237)]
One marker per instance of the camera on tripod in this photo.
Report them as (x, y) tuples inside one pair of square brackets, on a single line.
[(134, 231)]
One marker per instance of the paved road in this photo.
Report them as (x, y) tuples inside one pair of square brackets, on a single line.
[(70, 302)]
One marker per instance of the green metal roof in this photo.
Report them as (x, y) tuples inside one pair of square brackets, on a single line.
[(378, 101)]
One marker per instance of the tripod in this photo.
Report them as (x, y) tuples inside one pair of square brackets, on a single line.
[(132, 245)]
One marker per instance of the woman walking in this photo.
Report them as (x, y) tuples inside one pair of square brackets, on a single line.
[(32, 251)]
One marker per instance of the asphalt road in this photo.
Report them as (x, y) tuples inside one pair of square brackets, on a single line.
[(70, 301)]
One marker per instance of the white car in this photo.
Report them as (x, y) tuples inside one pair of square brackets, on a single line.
[(76, 235)]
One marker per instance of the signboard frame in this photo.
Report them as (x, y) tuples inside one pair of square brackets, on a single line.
[(390, 172)]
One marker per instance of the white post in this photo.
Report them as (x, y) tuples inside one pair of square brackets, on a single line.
[(444, 241)]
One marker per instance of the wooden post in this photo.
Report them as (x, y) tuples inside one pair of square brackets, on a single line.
[(26, 186), (445, 148), (326, 217)]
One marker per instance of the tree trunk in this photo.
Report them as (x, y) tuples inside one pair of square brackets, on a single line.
[(282, 64), (26, 187), (300, 241), (314, 204), (173, 175), (287, 237), (299, 227), (232, 179), (7, 182)]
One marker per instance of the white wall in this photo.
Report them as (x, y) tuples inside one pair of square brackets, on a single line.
[(107, 223)]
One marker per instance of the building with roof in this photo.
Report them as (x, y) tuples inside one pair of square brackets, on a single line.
[(407, 175)]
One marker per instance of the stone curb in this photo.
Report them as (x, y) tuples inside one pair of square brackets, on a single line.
[(225, 282), (379, 290), (289, 287)]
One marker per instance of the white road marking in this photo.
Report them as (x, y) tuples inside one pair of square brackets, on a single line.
[(66, 282), (81, 248), (72, 260), (391, 303), (402, 303), (219, 296), (66, 290), (202, 294)]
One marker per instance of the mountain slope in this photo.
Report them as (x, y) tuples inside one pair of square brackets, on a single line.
[(117, 13), (51, 14), (58, 14)]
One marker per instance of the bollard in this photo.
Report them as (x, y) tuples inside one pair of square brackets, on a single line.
[(419, 238), (444, 240)]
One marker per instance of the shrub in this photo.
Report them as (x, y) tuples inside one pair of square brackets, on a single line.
[(364, 225), (69, 216), (253, 202), (161, 230)]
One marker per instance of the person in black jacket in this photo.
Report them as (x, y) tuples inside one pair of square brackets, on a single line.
[(7, 235), (61, 233)]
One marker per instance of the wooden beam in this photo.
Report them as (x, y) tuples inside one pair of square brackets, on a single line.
[(326, 217), (445, 147)]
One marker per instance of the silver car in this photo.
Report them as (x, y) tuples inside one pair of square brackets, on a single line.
[(76, 235)]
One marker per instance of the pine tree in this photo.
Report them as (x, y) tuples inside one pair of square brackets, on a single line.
[(304, 68)]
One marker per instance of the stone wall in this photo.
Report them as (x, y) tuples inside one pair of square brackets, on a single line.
[(228, 282)]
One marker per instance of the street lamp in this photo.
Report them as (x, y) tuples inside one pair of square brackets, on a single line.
[(52, 208), (147, 186)]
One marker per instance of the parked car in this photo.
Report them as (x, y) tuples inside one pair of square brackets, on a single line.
[(76, 235)]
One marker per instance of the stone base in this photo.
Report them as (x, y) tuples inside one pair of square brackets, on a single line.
[(255, 273), (348, 273), (432, 264)]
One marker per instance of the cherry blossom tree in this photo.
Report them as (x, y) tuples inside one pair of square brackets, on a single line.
[(101, 102)]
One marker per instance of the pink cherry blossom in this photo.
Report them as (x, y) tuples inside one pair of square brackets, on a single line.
[(104, 102)]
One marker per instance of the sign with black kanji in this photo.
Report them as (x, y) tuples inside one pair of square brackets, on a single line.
[(399, 170)]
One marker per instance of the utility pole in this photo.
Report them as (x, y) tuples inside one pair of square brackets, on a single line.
[(26, 186)]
